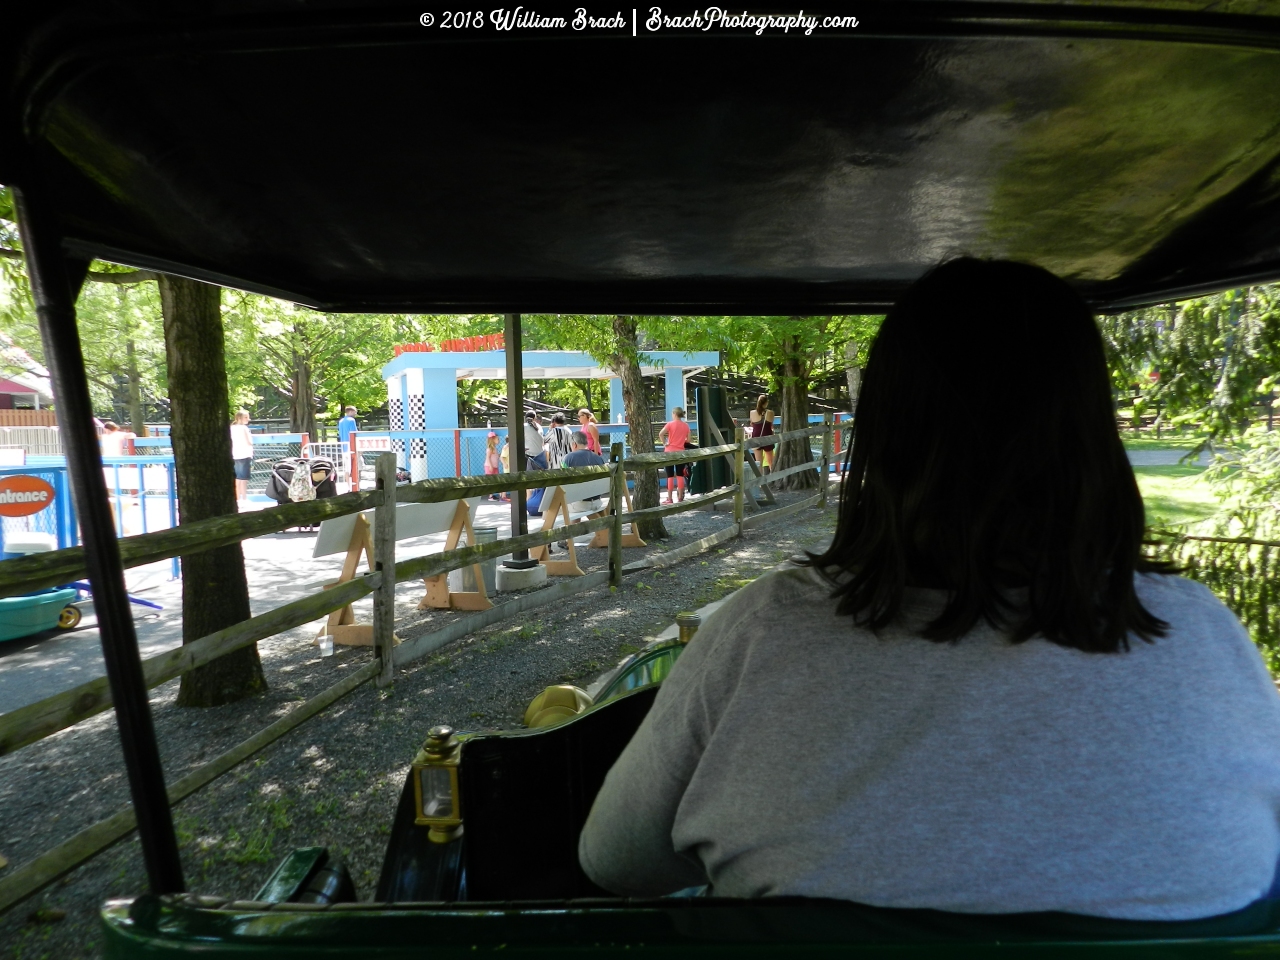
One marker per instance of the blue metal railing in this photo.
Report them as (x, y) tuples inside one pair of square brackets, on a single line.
[(145, 482), (57, 520)]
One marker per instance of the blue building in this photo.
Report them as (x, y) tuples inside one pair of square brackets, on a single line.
[(422, 387)]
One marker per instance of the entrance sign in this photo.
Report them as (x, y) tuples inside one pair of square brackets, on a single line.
[(23, 495)]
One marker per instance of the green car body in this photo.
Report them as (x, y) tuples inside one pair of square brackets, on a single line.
[(303, 911)]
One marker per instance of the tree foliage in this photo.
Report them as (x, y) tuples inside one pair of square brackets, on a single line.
[(785, 352), (1208, 361), (614, 342)]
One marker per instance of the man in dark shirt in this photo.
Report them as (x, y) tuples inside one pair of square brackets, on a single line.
[(581, 455)]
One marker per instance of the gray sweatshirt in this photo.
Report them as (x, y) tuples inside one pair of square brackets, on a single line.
[(790, 752)]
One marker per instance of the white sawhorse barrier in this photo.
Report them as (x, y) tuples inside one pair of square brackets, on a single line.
[(352, 535), (570, 503)]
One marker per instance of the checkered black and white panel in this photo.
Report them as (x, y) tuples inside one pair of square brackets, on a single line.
[(395, 414), (417, 447), (417, 412)]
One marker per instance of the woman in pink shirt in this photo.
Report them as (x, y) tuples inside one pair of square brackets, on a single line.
[(674, 436), (588, 421)]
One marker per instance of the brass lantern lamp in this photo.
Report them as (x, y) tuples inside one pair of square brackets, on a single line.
[(435, 785)]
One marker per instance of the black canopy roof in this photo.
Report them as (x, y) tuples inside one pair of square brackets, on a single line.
[(344, 156)]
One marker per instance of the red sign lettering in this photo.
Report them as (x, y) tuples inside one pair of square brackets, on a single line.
[(489, 341)]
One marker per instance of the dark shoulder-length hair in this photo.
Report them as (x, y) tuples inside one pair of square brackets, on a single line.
[(985, 461)]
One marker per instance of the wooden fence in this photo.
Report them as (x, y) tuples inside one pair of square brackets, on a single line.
[(38, 720), (28, 418), (1243, 572)]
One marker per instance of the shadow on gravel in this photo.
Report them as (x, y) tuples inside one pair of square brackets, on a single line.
[(336, 779)]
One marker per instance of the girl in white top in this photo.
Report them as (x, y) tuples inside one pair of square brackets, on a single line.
[(242, 452)]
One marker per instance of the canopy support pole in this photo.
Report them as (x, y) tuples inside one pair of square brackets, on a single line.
[(54, 288), (520, 559)]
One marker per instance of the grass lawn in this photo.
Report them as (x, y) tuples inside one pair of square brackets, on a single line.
[(1176, 494)]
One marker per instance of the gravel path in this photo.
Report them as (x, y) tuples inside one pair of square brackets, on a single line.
[(335, 780)]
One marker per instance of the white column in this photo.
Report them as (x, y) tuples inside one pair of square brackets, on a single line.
[(395, 414), (617, 411), (416, 416), (675, 391)]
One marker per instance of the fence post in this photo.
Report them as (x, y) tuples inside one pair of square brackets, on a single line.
[(384, 558), (825, 480), (457, 453), (617, 502), (739, 463)]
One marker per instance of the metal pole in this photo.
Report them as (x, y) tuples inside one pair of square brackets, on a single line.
[(55, 309), (515, 434)]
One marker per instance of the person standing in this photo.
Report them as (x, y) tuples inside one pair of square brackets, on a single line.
[(534, 446), (762, 426), (674, 436), (242, 453), (559, 442), (112, 439), (589, 427), (535, 454), (347, 426), (493, 461), (582, 456)]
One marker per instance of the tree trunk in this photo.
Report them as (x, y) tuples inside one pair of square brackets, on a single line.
[(302, 404), (215, 593), (138, 422), (626, 364), (795, 415), (853, 373)]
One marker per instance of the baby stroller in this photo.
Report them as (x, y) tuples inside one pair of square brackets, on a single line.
[(324, 481)]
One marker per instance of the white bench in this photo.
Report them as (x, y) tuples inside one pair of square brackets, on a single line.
[(352, 535), (568, 504)]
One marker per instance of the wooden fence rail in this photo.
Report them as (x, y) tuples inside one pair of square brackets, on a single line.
[(36, 874), (459, 488), (688, 503), (779, 474), (774, 438), (675, 457), (31, 723), (434, 564), (44, 717), (41, 570)]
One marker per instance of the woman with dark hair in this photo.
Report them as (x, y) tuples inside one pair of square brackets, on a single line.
[(761, 425), (981, 697)]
